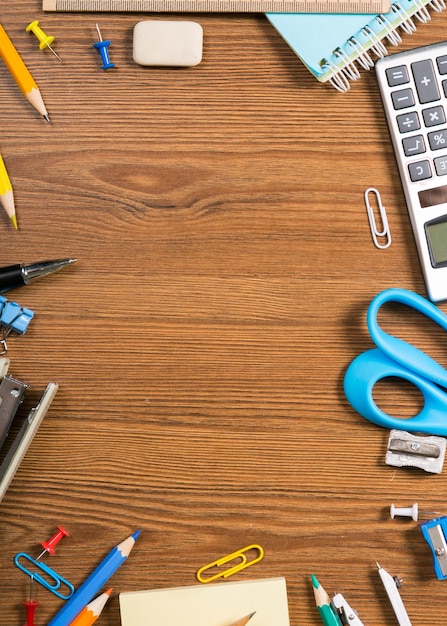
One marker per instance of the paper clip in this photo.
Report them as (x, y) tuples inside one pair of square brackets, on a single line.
[(241, 563), (52, 582), (375, 231), (13, 317)]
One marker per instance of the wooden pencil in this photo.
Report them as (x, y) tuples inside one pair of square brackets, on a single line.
[(92, 610), (6, 194), (243, 620), (21, 73)]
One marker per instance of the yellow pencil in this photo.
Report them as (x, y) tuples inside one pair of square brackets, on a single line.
[(244, 620), (92, 611), (6, 194), (20, 73)]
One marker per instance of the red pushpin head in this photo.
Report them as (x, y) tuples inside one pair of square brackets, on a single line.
[(50, 545), (30, 606)]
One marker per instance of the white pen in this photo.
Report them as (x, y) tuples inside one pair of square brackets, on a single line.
[(393, 594)]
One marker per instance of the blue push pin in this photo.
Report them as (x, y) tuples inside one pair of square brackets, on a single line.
[(103, 49)]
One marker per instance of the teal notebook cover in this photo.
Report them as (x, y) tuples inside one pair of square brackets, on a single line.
[(330, 43)]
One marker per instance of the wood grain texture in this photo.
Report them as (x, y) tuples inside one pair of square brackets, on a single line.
[(224, 270)]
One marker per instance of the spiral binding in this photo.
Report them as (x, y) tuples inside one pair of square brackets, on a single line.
[(344, 68)]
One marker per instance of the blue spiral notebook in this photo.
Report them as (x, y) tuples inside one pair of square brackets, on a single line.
[(334, 47)]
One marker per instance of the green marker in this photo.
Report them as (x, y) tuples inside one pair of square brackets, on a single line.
[(323, 602)]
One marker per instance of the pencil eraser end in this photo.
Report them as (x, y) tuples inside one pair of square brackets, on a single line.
[(167, 43)]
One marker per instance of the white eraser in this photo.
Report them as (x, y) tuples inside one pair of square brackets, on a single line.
[(170, 43)]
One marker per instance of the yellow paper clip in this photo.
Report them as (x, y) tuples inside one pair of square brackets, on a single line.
[(240, 556)]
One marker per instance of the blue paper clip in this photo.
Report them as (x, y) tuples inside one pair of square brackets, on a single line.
[(240, 562), (51, 575), (435, 532), (13, 317)]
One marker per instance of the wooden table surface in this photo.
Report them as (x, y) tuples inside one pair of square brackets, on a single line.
[(225, 266)]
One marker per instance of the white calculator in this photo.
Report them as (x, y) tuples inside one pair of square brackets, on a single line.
[(413, 86)]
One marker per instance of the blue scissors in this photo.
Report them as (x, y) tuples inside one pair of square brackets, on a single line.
[(397, 358)]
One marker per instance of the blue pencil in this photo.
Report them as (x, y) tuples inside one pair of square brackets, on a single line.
[(94, 582)]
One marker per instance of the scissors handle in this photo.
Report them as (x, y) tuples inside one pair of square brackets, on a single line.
[(370, 367), (404, 353)]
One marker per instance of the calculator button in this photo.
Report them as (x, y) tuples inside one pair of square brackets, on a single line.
[(419, 171), (442, 64), (438, 139), (433, 116), (441, 166), (408, 122), (398, 75), (424, 78), (402, 99), (413, 145)]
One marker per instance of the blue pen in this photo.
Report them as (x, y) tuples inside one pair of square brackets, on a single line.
[(94, 582)]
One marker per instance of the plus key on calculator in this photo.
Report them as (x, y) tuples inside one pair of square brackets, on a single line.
[(413, 86)]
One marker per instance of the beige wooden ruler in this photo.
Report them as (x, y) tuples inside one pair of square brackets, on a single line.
[(221, 6)]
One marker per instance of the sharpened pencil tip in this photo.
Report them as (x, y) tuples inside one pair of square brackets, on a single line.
[(14, 221), (244, 620), (315, 583), (47, 117)]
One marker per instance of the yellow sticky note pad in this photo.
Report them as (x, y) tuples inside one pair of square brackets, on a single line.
[(217, 604)]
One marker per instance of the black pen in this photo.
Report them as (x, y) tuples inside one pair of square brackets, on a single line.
[(18, 275)]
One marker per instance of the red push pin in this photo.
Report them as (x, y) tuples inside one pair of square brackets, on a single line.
[(30, 606), (50, 545)]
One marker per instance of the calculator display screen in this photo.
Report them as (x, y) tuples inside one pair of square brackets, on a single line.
[(437, 241)]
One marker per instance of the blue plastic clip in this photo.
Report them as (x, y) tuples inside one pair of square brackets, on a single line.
[(103, 49), (52, 582), (13, 317), (434, 532)]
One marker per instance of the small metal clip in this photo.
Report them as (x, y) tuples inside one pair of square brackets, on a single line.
[(241, 563), (52, 582), (407, 450), (384, 231), (434, 532), (24, 437), (348, 616), (12, 393)]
